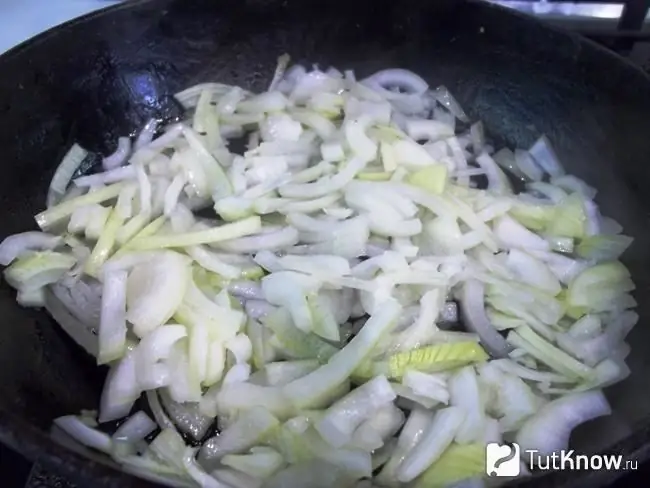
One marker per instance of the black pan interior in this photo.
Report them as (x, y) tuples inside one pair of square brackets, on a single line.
[(103, 76)]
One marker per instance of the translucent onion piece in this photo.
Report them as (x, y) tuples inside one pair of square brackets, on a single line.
[(120, 155), (155, 289), (87, 436), (18, 245), (548, 431), (63, 174), (475, 318), (112, 328), (136, 428)]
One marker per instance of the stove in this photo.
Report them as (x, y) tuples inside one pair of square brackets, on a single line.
[(622, 26)]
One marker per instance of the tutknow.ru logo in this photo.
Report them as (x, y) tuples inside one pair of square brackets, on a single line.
[(505, 459)]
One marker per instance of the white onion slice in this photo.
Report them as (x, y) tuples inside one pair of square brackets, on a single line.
[(203, 479), (187, 416), (154, 347), (474, 317), (81, 332), (111, 176), (436, 438), (155, 290), (156, 409), (173, 193), (400, 78), (112, 328), (446, 99), (548, 431), (258, 309), (273, 241), (136, 428), (120, 155), (18, 245), (121, 390), (63, 174), (146, 134), (87, 436), (246, 289), (527, 165), (544, 155)]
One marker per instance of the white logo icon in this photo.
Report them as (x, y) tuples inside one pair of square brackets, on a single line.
[(502, 459)]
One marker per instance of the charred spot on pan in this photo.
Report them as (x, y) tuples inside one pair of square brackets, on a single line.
[(169, 110), (92, 163), (480, 181)]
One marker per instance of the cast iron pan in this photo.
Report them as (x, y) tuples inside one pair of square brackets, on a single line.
[(102, 76)]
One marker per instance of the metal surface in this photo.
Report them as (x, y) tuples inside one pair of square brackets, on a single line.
[(590, 16), (561, 9), (103, 76), (22, 19), (634, 14)]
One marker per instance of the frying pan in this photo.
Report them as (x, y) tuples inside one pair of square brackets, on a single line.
[(104, 75)]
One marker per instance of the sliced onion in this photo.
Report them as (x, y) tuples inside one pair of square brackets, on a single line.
[(83, 334), (154, 291), (445, 98), (429, 130), (610, 226), (203, 479), (63, 174), (548, 430), (189, 97), (575, 185), (120, 155), (234, 478), (273, 241), (18, 245), (512, 234), (445, 116), (124, 205), (107, 177), (187, 417), (135, 429), (338, 240), (475, 319), (112, 328), (212, 262), (121, 390), (544, 155), (158, 413), (87, 436), (154, 347), (246, 289), (308, 84), (593, 223), (497, 182), (258, 309), (144, 184), (173, 193), (364, 148), (527, 166), (552, 192), (154, 471), (506, 159), (406, 80), (146, 134), (283, 62)]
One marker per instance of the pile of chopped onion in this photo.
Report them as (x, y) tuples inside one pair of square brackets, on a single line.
[(370, 301)]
